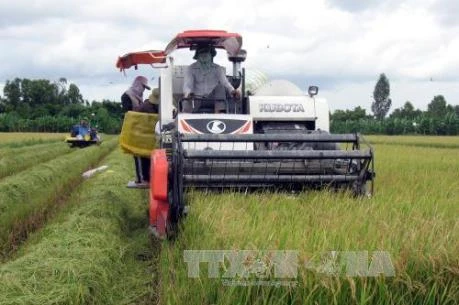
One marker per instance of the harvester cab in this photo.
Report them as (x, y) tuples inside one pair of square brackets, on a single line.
[(274, 138)]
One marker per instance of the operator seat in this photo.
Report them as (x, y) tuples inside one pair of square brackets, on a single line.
[(178, 78)]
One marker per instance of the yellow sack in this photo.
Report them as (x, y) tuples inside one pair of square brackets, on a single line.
[(138, 133)]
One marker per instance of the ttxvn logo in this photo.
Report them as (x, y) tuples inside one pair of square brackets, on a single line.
[(281, 108)]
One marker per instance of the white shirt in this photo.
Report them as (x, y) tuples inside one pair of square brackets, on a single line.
[(201, 82)]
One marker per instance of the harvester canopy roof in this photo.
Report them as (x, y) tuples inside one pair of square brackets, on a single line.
[(144, 57), (231, 42)]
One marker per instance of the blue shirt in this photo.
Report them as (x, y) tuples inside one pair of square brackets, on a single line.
[(82, 131)]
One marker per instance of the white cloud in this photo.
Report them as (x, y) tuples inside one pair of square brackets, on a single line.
[(356, 5), (446, 12), (351, 95), (340, 46)]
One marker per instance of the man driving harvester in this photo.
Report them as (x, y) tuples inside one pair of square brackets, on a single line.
[(205, 79)]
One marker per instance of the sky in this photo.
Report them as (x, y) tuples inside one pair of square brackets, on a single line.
[(342, 46)]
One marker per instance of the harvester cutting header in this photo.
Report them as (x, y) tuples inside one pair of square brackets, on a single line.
[(215, 134)]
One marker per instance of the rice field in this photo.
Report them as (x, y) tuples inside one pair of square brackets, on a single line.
[(413, 218), (419, 141), (18, 139), (96, 251), (29, 194), (13, 160), (92, 247)]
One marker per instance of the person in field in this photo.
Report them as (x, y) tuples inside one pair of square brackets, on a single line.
[(206, 79), (84, 131), (133, 96), (150, 105), (131, 100), (81, 130)]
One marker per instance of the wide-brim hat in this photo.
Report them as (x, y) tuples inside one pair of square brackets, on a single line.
[(205, 49), (154, 96)]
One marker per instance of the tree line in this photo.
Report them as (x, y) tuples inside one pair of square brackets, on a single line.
[(440, 118), (54, 106), (46, 106)]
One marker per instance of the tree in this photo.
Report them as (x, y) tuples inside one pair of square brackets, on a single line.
[(456, 110), (42, 105), (12, 93), (73, 95), (39, 92), (61, 85), (381, 93), (358, 113), (344, 115), (406, 112), (114, 108), (437, 107), (2, 105), (73, 111)]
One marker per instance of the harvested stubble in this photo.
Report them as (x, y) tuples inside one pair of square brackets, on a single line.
[(95, 252), (413, 217), (14, 160), (26, 198)]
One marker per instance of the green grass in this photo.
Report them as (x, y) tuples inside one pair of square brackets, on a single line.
[(96, 252), (413, 216), (26, 198), (14, 160)]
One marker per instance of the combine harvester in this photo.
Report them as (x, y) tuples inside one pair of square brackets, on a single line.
[(76, 140), (82, 142), (274, 138)]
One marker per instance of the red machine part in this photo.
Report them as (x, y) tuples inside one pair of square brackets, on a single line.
[(145, 57), (159, 204), (231, 42)]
